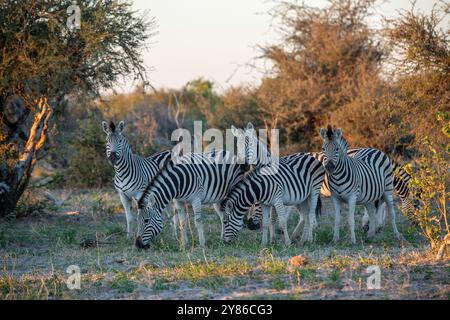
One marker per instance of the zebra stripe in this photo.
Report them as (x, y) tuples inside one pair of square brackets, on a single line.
[(401, 188), (196, 178), (364, 178), (132, 172), (298, 177)]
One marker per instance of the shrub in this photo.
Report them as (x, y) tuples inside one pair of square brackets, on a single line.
[(429, 184)]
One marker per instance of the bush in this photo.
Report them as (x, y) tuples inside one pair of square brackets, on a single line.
[(88, 166), (429, 183)]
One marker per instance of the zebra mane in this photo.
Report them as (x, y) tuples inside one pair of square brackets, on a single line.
[(166, 164), (112, 126), (342, 142), (330, 132)]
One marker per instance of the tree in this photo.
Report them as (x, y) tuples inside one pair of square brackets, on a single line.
[(42, 61), (318, 67)]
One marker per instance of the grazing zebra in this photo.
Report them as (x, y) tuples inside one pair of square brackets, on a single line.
[(132, 172), (257, 149), (364, 178), (401, 187), (200, 178), (297, 178)]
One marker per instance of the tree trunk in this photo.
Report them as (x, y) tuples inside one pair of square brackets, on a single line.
[(16, 175)]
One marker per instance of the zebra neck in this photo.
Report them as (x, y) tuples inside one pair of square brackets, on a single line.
[(125, 163), (250, 195), (343, 163), (165, 191)]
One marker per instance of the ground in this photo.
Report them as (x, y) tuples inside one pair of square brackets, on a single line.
[(36, 250)]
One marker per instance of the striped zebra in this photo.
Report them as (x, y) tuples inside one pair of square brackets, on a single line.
[(132, 172), (297, 178), (364, 178), (256, 152), (202, 178)]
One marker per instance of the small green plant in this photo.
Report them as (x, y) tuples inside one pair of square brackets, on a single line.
[(278, 283), (335, 278), (68, 236), (122, 283)]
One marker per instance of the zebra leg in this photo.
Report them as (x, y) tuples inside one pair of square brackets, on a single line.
[(312, 216), (381, 215), (266, 218), (390, 204), (306, 226), (220, 213), (126, 203), (197, 208), (180, 219), (272, 225), (365, 220), (282, 220), (351, 218), (371, 211), (301, 221), (173, 217), (337, 218)]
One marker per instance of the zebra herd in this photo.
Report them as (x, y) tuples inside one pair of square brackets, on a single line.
[(363, 176)]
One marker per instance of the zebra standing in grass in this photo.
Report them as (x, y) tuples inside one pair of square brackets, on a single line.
[(364, 178), (296, 179), (257, 153), (132, 172), (200, 178)]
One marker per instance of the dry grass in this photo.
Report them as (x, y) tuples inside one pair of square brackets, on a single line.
[(36, 251)]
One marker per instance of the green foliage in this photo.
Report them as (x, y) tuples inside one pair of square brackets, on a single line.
[(122, 283), (40, 56), (429, 183), (88, 165)]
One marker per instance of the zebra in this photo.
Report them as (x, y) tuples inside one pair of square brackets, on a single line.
[(364, 178), (297, 178), (132, 172), (198, 178), (257, 153)]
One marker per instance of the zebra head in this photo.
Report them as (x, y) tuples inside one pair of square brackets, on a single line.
[(231, 225), (255, 152), (149, 221), (116, 144), (332, 145)]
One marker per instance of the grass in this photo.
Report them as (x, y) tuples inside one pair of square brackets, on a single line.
[(122, 283), (36, 251)]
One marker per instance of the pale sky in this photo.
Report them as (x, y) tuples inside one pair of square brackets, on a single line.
[(216, 39)]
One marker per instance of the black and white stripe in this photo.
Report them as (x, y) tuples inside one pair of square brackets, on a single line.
[(204, 178), (401, 188), (364, 178), (132, 172), (297, 178)]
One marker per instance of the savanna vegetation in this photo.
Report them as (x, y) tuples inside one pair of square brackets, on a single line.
[(386, 87)]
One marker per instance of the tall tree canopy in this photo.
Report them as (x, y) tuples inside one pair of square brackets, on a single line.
[(42, 61)]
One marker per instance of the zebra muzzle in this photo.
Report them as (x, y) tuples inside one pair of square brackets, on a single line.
[(253, 225), (141, 244)]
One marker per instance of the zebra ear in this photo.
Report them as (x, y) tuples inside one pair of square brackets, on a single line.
[(250, 126), (235, 131), (121, 126), (338, 133), (322, 133), (105, 127)]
